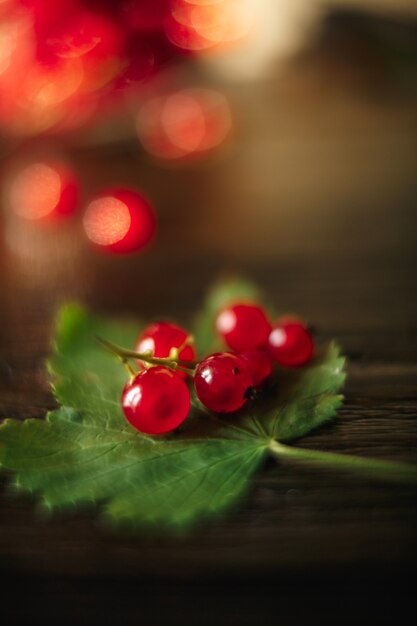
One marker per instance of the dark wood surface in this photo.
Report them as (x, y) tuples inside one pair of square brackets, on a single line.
[(304, 540), (327, 227)]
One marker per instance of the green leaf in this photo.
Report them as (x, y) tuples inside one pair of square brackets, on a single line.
[(306, 399), (69, 461), (86, 453), (84, 377)]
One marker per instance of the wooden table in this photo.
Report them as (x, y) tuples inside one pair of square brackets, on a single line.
[(309, 202)]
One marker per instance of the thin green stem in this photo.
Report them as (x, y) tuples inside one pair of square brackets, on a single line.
[(383, 470), (125, 354), (129, 368)]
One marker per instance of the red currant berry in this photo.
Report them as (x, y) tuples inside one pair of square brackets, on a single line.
[(243, 326), (260, 363), (161, 337), (290, 343), (222, 382), (156, 401)]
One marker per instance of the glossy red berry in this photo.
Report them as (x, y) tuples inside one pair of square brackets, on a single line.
[(260, 363), (290, 343), (156, 401), (223, 381), (161, 337), (243, 326)]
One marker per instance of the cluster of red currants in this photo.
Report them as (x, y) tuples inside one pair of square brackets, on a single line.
[(157, 399)]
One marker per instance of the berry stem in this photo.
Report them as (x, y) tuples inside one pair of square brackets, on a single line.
[(384, 470), (129, 368), (124, 354)]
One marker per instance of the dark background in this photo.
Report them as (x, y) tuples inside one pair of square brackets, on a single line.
[(315, 199)]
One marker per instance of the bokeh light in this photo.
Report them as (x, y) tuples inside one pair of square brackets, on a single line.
[(107, 221), (185, 123), (185, 37), (41, 190), (92, 40), (202, 26), (119, 221), (67, 65), (84, 34), (225, 23), (62, 63)]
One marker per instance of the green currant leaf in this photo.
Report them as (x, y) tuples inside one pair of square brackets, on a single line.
[(70, 461), (83, 376), (302, 401), (86, 453)]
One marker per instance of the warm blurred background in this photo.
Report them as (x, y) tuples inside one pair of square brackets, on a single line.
[(254, 128), (257, 131), (276, 138)]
